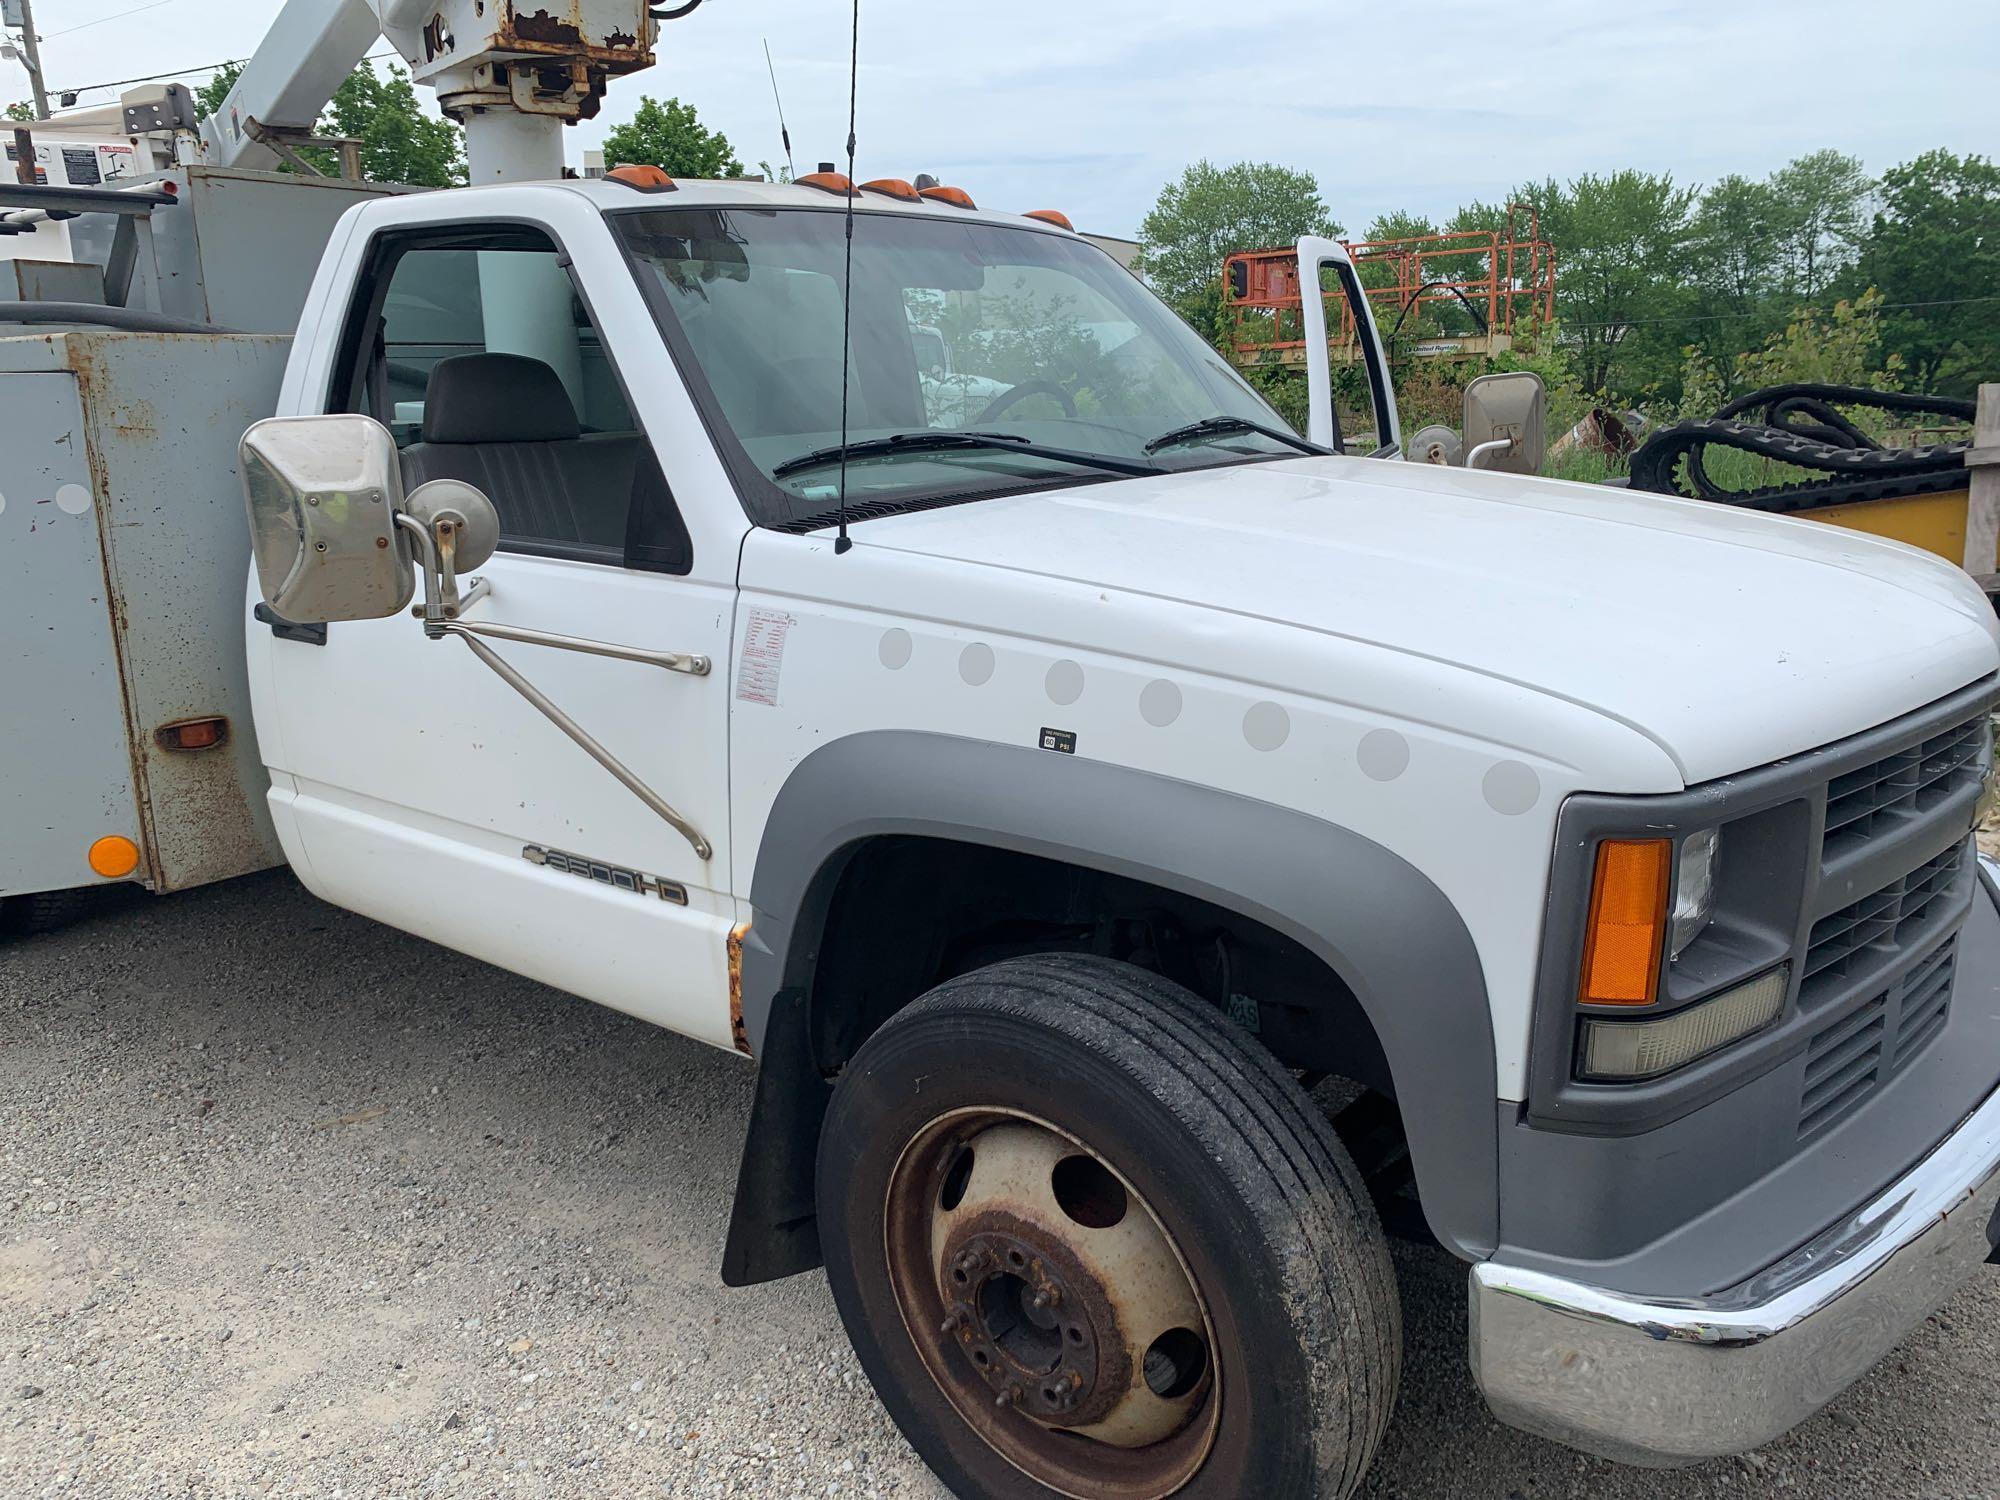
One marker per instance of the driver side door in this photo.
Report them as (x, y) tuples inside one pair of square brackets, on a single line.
[(413, 784)]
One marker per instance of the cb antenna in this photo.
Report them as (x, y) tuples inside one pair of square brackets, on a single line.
[(844, 541), (784, 134)]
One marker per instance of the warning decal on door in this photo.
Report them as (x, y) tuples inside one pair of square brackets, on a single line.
[(763, 656)]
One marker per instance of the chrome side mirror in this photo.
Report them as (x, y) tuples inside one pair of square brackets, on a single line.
[(455, 528), (334, 535), (323, 495), (1504, 418)]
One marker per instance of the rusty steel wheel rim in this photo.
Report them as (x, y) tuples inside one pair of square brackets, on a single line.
[(1052, 1306)]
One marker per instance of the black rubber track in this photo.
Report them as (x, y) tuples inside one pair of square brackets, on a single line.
[(1283, 1158), (1802, 425), (1851, 473)]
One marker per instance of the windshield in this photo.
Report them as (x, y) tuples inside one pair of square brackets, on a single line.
[(1035, 340)]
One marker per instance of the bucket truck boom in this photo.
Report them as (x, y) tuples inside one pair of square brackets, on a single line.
[(511, 76)]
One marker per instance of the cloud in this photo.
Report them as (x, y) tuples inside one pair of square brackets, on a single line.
[(1092, 105)]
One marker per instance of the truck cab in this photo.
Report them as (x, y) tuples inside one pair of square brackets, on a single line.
[(1064, 794)]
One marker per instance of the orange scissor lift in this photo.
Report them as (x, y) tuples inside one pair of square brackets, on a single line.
[(1439, 296)]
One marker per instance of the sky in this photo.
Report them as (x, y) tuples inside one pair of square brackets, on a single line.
[(1091, 106)]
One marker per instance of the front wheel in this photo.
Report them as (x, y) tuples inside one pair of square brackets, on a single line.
[(1090, 1240)]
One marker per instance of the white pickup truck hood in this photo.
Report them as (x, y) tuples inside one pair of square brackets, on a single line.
[(1729, 637)]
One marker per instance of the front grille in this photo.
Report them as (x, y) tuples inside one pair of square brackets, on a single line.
[(1850, 1059), (1908, 783), (1881, 922)]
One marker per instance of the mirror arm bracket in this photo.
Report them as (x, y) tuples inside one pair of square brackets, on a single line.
[(583, 738), (672, 661), (442, 603)]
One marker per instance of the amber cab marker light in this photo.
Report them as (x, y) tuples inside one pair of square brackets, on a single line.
[(646, 179), (193, 734), (956, 197), (1628, 915), (1053, 216), (828, 182), (114, 856), (893, 187)]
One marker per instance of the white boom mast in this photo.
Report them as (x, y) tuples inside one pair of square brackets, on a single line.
[(511, 77)]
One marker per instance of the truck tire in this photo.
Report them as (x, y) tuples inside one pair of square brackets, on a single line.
[(1090, 1240), (43, 911)]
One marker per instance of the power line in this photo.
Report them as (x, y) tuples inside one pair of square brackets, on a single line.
[(49, 36), (117, 83), (1750, 316), (227, 62)]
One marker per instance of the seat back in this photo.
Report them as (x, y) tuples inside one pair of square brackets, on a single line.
[(504, 422)]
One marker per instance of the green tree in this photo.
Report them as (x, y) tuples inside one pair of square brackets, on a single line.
[(400, 142), (1934, 253), (1211, 213), (668, 136), (208, 98), (1839, 346), (20, 112), (1737, 242), (1399, 224), (1621, 253), (1736, 270), (1819, 216)]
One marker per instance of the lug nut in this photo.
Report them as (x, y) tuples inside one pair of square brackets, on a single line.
[(969, 1264), (1046, 1298), (953, 1321), (1009, 1397)]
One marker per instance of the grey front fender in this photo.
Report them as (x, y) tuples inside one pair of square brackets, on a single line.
[(1372, 917)]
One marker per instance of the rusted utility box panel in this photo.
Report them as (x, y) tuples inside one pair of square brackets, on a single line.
[(124, 560)]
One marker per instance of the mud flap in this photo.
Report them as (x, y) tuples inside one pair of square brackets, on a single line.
[(774, 1228)]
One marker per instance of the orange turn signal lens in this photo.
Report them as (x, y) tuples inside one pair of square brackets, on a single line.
[(893, 187), (114, 856), (647, 179), (956, 197), (193, 734), (1628, 916), (828, 182)]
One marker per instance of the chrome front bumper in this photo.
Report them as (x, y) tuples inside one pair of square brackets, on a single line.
[(1674, 1382)]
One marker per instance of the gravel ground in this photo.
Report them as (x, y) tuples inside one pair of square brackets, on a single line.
[(292, 1204)]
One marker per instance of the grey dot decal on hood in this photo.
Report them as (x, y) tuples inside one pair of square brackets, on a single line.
[(1267, 726), (1064, 683), (1512, 788), (975, 664), (1159, 703), (1383, 755)]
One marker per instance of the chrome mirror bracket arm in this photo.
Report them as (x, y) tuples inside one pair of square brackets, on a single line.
[(433, 611), (441, 606), (583, 738)]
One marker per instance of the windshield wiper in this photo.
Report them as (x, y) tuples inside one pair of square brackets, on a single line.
[(945, 440), (1219, 426)]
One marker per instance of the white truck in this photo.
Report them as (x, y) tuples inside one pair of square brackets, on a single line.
[(1063, 801), (1131, 769)]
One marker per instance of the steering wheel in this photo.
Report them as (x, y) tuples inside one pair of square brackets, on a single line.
[(1021, 392)]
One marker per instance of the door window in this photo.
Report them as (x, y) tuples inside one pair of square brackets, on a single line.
[(482, 360)]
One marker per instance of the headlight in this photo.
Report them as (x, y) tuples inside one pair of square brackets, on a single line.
[(1694, 889)]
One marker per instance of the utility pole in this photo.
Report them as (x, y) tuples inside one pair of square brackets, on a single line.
[(31, 55)]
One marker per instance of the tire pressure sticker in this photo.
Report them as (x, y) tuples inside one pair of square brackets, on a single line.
[(763, 656)]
